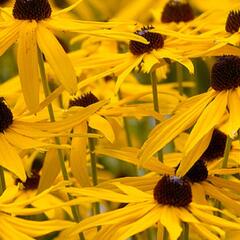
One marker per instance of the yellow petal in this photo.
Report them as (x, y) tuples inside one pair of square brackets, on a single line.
[(9, 35), (10, 160), (194, 154), (146, 221), (78, 156), (210, 117), (27, 57), (234, 115), (166, 53), (98, 122), (217, 221), (114, 217), (171, 222), (127, 71), (166, 131), (57, 58), (49, 173)]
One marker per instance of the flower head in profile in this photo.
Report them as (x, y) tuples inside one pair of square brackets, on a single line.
[(204, 112)]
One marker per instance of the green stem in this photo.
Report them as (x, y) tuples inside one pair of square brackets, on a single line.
[(2, 181), (92, 142), (185, 233), (226, 152), (156, 105), (74, 209), (179, 74), (165, 234)]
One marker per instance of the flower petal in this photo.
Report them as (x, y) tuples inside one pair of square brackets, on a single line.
[(57, 58), (96, 121), (27, 57)]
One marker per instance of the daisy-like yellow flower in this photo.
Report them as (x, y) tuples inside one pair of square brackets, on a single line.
[(31, 25), (204, 112), (169, 203), (16, 133), (201, 175), (144, 56), (13, 226)]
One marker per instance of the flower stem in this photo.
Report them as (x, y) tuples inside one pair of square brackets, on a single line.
[(179, 73), (156, 104), (165, 234), (2, 181), (226, 152), (92, 142), (74, 209), (185, 233)]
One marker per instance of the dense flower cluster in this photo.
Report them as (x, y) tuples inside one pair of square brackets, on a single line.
[(119, 120)]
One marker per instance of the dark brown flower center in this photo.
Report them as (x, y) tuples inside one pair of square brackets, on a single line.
[(156, 41), (198, 172), (177, 11), (226, 73), (6, 116), (173, 191), (3, 1), (233, 22), (84, 100), (216, 146), (32, 9), (31, 183)]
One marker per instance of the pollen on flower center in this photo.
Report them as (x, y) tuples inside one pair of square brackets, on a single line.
[(173, 191), (156, 41), (32, 9), (216, 146), (226, 73), (198, 172), (84, 100), (177, 11), (233, 22), (31, 183), (6, 116)]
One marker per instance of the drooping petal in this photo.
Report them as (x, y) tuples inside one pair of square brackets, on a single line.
[(171, 222), (49, 173), (234, 115), (130, 155), (9, 35), (146, 221), (210, 117), (194, 154), (27, 58), (57, 58), (97, 122), (166, 131), (10, 160), (134, 62), (78, 156), (130, 213)]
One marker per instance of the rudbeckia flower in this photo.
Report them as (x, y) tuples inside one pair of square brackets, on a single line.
[(205, 175), (169, 203), (141, 55), (32, 25), (17, 133), (13, 226), (204, 112)]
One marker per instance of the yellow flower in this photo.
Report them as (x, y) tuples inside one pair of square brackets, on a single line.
[(204, 112), (169, 203), (205, 176), (32, 25), (13, 226), (145, 56)]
